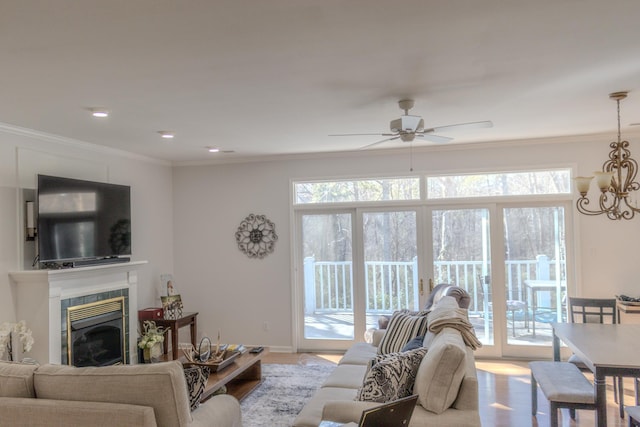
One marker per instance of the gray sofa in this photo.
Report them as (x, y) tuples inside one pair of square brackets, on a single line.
[(446, 380), (145, 395)]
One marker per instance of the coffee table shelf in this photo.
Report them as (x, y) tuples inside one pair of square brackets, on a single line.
[(241, 377)]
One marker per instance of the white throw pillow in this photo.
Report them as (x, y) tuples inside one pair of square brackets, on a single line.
[(403, 326)]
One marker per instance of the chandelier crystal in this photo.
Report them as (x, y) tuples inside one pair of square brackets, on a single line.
[(616, 181)]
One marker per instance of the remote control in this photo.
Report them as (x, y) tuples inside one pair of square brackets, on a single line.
[(256, 349)]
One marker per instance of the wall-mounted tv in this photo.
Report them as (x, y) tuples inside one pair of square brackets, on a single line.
[(82, 220)]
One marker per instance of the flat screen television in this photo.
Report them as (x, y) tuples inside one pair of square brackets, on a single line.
[(82, 220)]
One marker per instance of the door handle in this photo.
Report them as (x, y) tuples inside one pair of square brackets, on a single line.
[(430, 285), (421, 287)]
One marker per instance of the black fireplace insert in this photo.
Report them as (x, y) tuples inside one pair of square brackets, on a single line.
[(96, 337)]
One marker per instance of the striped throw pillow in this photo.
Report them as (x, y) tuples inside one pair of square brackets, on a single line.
[(403, 326)]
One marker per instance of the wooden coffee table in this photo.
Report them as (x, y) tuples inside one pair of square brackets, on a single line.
[(241, 377)]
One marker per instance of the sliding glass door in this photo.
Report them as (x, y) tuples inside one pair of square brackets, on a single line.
[(462, 256), (357, 265), (535, 273), (365, 247)]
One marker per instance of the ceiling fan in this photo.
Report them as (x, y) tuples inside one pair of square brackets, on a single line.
[(408, 127)]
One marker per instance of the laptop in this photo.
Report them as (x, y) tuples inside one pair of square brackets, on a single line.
[(392, 414)]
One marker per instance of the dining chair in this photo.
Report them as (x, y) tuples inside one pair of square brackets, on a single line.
[(596, 310)]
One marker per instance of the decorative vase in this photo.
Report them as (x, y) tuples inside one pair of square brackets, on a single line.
[(153, 354)]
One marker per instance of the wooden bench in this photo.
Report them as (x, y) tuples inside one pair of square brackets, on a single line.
[(563, 385), (634, 415)]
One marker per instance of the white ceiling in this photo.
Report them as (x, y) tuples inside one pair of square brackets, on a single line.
[(277, 77)]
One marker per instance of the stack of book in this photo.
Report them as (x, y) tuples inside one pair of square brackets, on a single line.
[(233, 347)]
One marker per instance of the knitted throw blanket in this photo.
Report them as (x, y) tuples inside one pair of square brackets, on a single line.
[(444, 317)]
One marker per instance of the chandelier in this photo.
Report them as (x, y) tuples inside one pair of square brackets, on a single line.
[(616, 180)]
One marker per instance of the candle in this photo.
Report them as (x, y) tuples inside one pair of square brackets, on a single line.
[(218, 343)]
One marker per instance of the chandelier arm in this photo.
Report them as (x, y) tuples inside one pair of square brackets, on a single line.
[(631, 168), (581, 204)]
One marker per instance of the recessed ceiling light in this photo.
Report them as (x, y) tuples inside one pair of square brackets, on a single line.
[(166, 134), (213, 149), (99, 112)]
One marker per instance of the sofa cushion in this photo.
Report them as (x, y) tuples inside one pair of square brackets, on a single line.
[(441, 371), (403, 326), (391, 377), (161, 386), (16, 379), (311, 413), (346, 376), (25, 412), (359, 353)]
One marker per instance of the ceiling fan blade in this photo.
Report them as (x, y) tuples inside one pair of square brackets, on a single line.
[(379, 142), (461, 126), (363, 134), (434, 138)]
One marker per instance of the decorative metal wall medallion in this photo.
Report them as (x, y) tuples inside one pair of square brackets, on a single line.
[(256, 236)]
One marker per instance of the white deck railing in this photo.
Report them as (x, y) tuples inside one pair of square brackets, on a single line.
[(394, 285)]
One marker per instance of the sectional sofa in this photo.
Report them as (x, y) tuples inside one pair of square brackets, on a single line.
[(145, 395), (446, 380)]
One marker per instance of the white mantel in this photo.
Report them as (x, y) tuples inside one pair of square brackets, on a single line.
[(37, 296)]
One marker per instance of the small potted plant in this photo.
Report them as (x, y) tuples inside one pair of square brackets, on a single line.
[(151, 340)]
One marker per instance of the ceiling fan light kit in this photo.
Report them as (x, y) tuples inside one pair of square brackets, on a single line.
[(407, 123), (408, 127)]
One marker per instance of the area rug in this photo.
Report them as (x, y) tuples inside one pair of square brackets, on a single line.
[(283, 392)]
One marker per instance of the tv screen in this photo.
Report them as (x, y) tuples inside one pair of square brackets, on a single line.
[(82, 219)]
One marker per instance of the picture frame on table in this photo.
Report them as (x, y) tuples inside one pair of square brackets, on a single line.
[(172, 306)]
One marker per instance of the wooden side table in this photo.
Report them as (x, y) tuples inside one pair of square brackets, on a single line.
[(628, 313), (187, 319)]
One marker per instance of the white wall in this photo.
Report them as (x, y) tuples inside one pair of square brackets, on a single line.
[(184, 221), (25, 154), (237, 295)]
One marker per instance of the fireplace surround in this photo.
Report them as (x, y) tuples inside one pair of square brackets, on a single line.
[(42, 298)]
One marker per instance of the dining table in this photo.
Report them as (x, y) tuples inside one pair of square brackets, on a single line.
[(606, 349)]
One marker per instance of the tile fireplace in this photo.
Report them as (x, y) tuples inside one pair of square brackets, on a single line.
[(74, 306)]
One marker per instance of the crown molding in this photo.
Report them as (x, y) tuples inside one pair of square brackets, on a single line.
[(77, 144)]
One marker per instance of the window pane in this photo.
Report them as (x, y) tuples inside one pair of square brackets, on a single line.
[(390, 263), (369, 190), (535, 272), (328, 279), (499, 184), (461, 257)]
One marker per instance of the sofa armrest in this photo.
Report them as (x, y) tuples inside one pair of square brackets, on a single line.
[(345, 411), (30, 412), (221, 410), (376, 336)]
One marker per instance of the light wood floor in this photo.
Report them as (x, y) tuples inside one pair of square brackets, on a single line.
[(505, 393)]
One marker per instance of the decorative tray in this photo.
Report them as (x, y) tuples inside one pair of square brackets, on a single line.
[(625, 300), (215, 364), (629, 302)]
